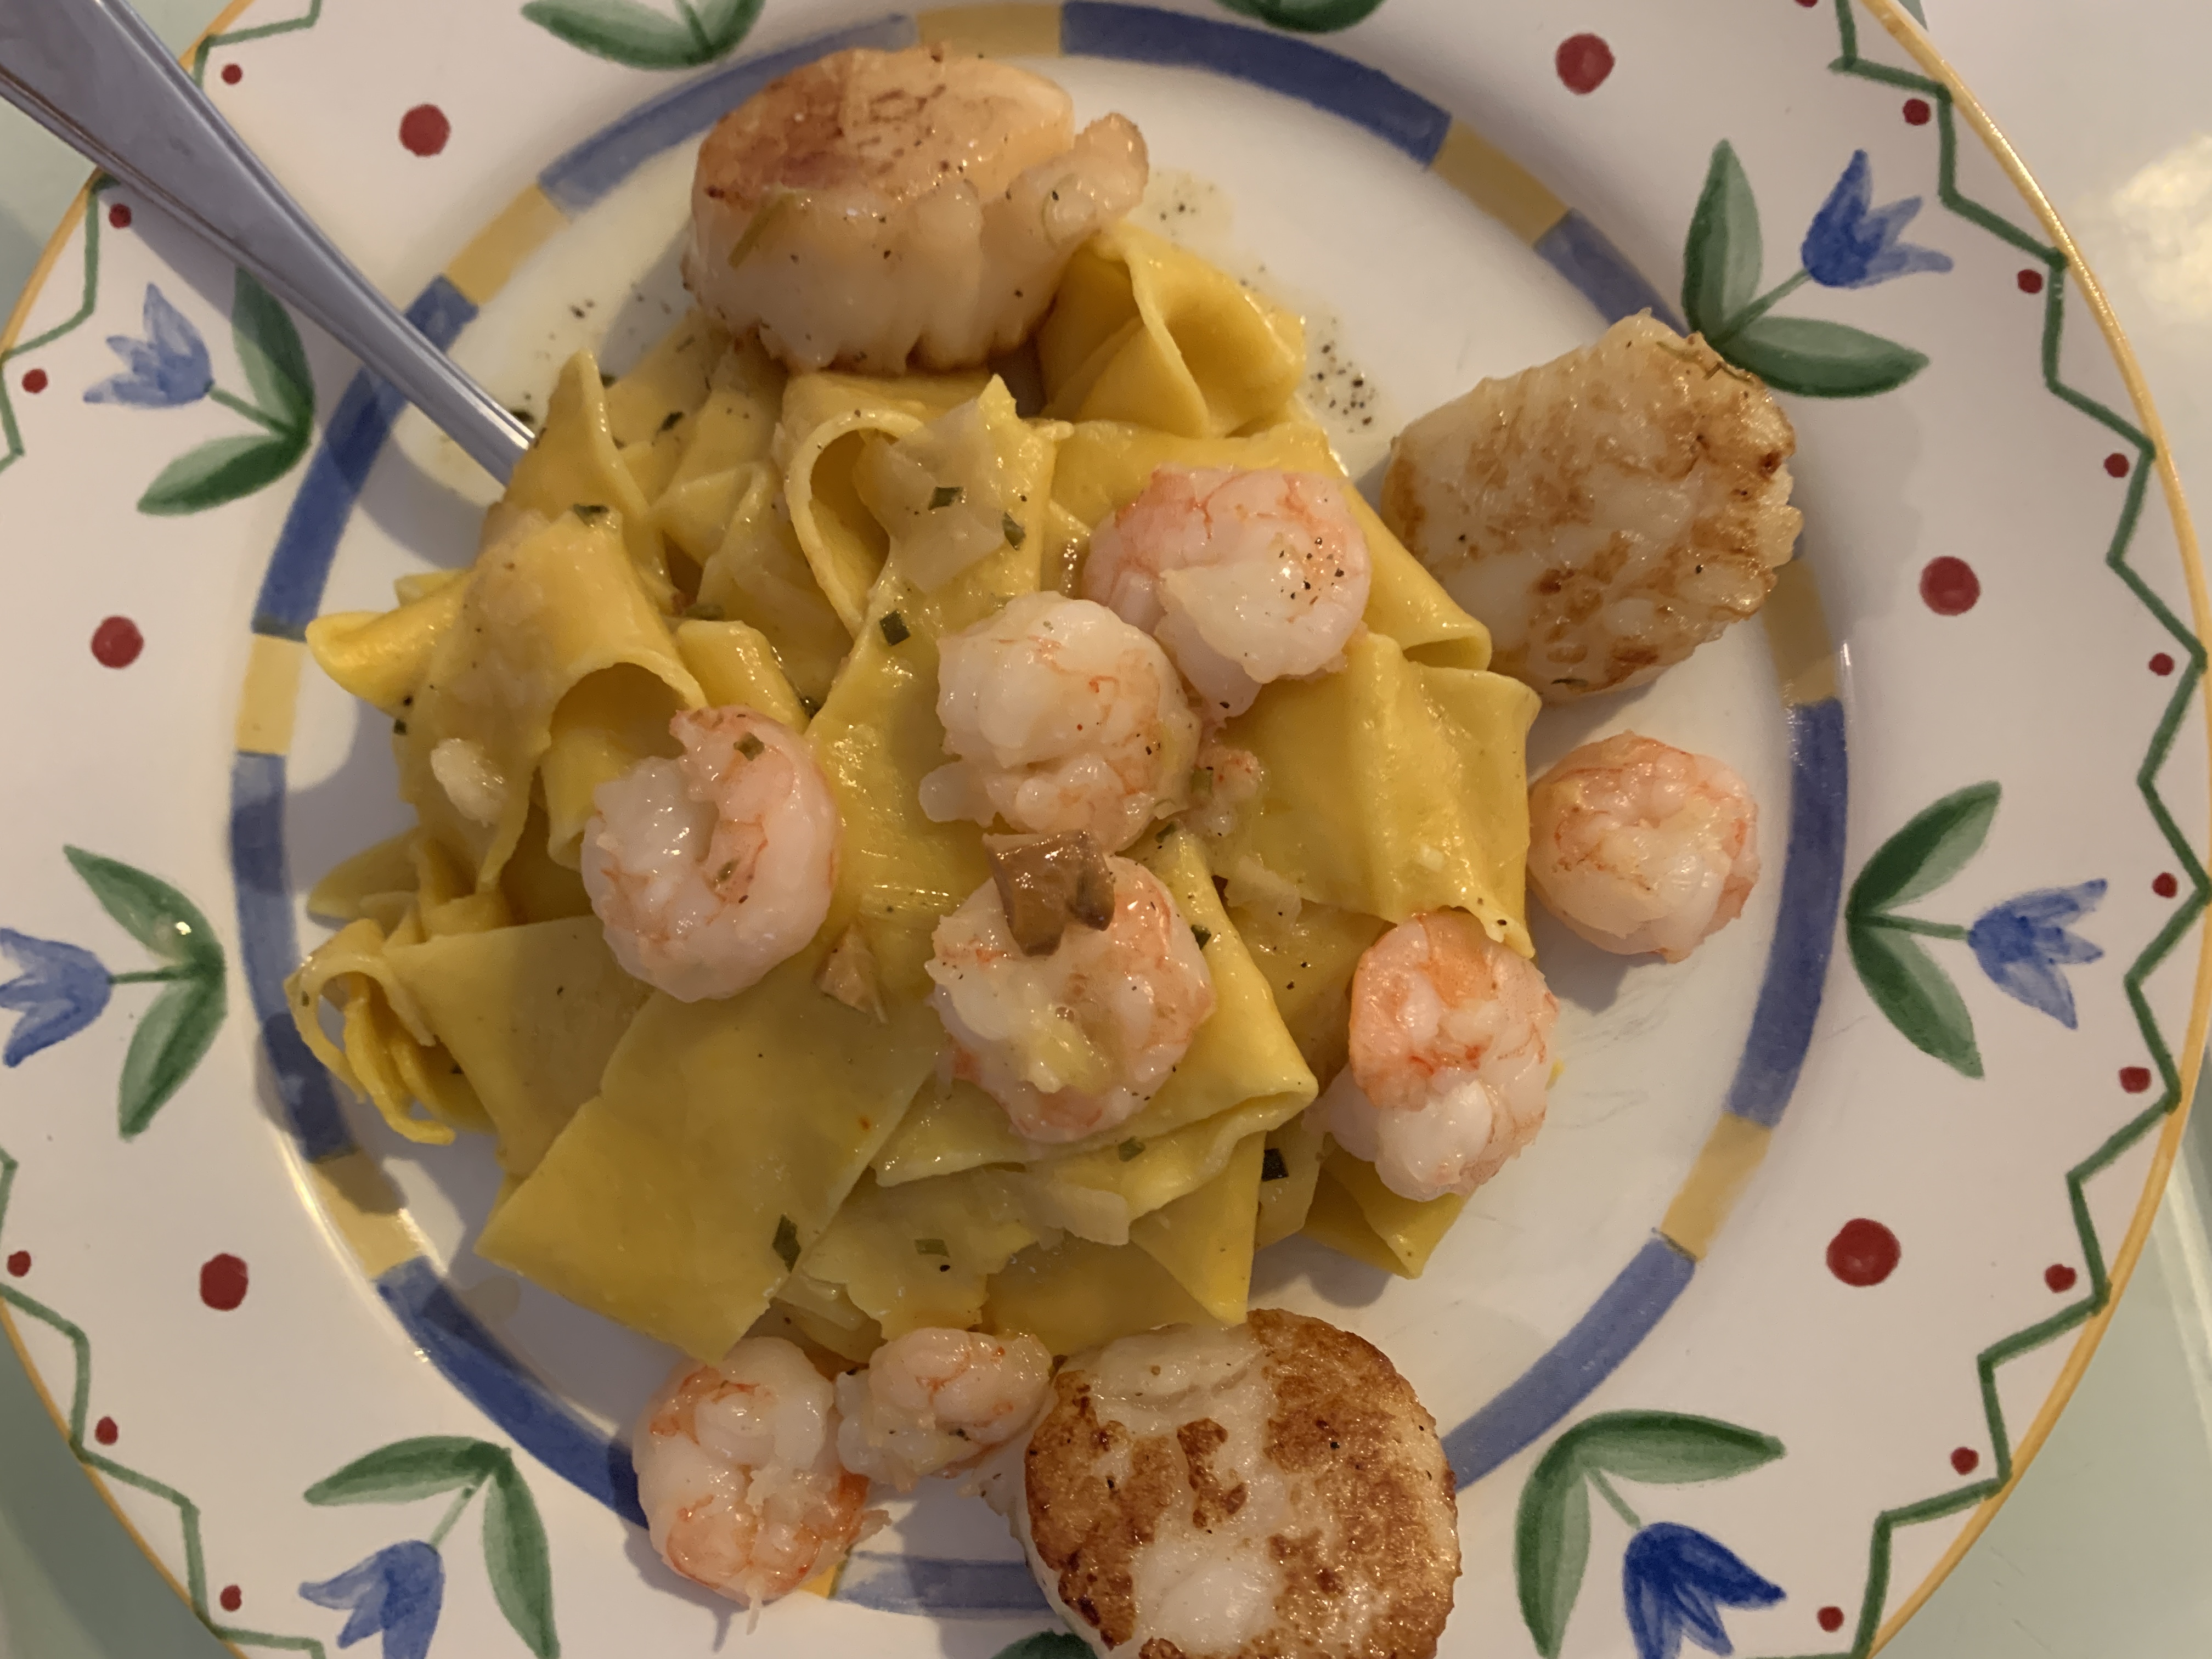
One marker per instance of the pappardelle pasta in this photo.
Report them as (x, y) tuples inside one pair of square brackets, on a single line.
[(928, 881)]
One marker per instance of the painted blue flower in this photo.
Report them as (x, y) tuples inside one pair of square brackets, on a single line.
[(61, 989), (2022, 943), (1854, 244), (397, 1591), (169, 367), (1676, 1580)]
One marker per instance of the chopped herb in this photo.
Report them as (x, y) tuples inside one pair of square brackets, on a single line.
[(702, 613), (1202, 783), (896, 632), (589, 512), (669, 420), (811, 705), (787, 1240), (944, 495), (1130, 1148), (1166, 829), (399, 728), (726, 872), (750, 746), (930, 1247), (1203, 935), (1011, 527), (1274, 1166)]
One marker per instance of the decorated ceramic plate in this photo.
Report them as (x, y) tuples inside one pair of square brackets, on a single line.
[(1744, 1350)]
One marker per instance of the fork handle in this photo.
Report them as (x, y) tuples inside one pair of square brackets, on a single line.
[(92, 73)]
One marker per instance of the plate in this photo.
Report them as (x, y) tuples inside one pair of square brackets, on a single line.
[(1826, 1221)]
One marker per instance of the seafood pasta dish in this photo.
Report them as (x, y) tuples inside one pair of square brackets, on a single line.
[(944, 822)]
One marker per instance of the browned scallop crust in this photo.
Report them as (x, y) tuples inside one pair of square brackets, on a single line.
[(1368, 1564)]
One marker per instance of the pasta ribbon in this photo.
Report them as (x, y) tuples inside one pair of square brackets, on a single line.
[(1205, 1238), (1355, 1213), (1076, 1295), (380, 656), (1376, 798), (1145, 332), (922, 1254), (575, 463)]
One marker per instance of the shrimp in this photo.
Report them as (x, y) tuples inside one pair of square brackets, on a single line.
[(1638, 847), (935, 1400), (738, 1476), (1064, 717), (1451, 1038), (1245, 577), (1274, 1489), (1605, 514), (1074, 1043), (872, 207), (708, 870)]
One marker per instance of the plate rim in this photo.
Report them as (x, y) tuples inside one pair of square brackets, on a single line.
[(1911, 35)]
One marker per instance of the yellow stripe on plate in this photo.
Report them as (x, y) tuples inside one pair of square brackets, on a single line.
[(1495, 183), (1797, 633), (1732, 1152), (481, 268), (1010, 30), (272, 692), (365, 1210)]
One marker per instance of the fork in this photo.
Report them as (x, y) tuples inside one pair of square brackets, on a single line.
[(93, 74)]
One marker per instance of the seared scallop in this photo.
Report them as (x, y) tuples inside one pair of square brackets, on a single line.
[(1605, 514), (873, 209), (1269, 1491)]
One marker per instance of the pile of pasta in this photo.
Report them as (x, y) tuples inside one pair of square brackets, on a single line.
[(690, 535)]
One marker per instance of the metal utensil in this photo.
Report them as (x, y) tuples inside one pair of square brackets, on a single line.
[(92, 73)]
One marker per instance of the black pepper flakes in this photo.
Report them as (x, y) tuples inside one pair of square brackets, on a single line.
[(896, 632)]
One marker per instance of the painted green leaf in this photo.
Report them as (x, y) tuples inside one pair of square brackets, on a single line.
[(221, 471), (174, 1035), (1551, 1544), (1670, 1449), (408, 1469), (1816, 359), (270, 351), (1722, 258), (1927, 852), (151, 911), (515, 1559), (624, 32), (1305, 17), (1046, 1644), (1914, 995)]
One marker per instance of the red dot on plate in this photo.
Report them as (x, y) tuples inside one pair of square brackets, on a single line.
[(1583, 61), (2162, 664), (1863, 1253), (105, 1431), (34, 380), (1917, 111), (2164, 885), (116, 642), (232, 1598), (19, 1263), (2134, 1079), (2117, 464), (425, 129), (1966, 1459), (2060, 1277), (1831, 1617), (222, 1282), (2031, 281), (232, 75), (120, 215), (1948, 587)]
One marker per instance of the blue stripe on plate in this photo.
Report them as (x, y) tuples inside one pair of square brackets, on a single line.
[(292, 586), (1621, 1317), (1805, 929), (1282, 62), (473, 1361), (595, 166), (1600, 272), (269, 949), (907, 1584)]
